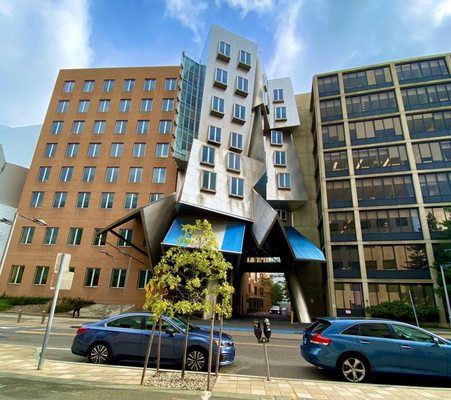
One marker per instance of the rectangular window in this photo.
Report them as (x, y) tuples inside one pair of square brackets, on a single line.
[(108, 85), (88, 86), (57, 127), (50, 150), (224, 50), (104, 106), (26, 237), (217, 106), (159, 175), (142, 127), (239, 113), (40, 276), (207, 155), (77, 127), (277, 138), (244, 60), (162, 150), (167, 105), (214, 134), (66, 174), (72, 150), (221, 78), (284, 181), (126, 237), (44, 174), (233, 162), (236, 141), (75, 235), (281, 113), (98, 127), (129, 85), (83, 199), (89, 174), (120, 127), (170, 84), (149, 84), (236, 187), (59, 201), (280, 159), (68, 86), (92, 277), (209, 181), (111, 174), (83, 106), (62, 107), (165, 126), (15, 277), (131, 200), (93, 150), (139, 150), (36, 199), (145, 275), (107, 200), (116, 149), (99, 239), (155, 197), (135, 175), (146, 105), (278, 95), (124, 105), (51, 234), (242, 86), (118, 278)]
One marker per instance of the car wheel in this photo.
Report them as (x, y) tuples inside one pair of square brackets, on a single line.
[(196, 359), (99, 353), (354, 368)]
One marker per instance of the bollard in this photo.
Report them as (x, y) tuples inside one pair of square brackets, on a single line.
[(19, 316), (43, 317)]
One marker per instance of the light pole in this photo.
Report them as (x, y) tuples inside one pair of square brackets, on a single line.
[(126, 278), (107, 291), (445, 289)]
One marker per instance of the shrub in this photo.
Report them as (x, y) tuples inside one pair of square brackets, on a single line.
[(66, 304), (7, 302), (400, 311)]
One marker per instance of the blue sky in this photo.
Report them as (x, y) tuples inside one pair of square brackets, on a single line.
[(297, 38)]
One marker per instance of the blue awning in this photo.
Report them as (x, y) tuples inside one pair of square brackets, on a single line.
[(303, 249), (230, 234)]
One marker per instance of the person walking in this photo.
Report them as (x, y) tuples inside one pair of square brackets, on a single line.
[(77, 307)]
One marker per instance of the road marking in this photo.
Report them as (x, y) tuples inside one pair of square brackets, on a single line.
[(285, 346), (41, 333)]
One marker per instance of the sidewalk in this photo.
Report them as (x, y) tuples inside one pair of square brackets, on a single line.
[(22, 360)]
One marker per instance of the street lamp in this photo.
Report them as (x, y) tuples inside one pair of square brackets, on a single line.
[(126, 278), (445, 289), (107, 291)]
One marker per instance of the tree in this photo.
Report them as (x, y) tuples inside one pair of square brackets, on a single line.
[(188, 276), (277, 293), (442, 253)]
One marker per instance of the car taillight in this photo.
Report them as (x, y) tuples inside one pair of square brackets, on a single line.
[(318, 339), (81, 330)]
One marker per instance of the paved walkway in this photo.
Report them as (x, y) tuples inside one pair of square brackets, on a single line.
[(23, 360)]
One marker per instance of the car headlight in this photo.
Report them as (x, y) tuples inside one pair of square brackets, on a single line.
[(224, 343)]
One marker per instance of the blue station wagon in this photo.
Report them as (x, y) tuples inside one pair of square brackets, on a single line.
[(125, 337), (357, 348)]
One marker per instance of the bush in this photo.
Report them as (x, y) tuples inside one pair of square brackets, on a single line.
[(66, 304), (7, 302), (400, 311)]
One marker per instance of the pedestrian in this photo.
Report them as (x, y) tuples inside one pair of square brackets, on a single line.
[(77, 307)]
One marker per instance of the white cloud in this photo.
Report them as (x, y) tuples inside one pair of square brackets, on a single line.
[(39, 37), (432, 11), (246, 6), (190, 14), (288, 44)]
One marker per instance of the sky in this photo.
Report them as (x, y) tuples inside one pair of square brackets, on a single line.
[(297, 38)]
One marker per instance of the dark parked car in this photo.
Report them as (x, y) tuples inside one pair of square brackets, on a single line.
[(125, 337), (275, 310), (357, 348)]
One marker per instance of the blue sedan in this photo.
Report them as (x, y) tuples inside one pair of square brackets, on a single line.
[(357, 348), (125, 337)]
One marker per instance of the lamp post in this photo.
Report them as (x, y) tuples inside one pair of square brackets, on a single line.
[(126, 278), (107, 291), (445, 289)]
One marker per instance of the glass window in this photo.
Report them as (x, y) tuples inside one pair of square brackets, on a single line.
[(131, 200), (26, 236), (378, 330), (129, 85), (244, 59), (108, 85), (63, 106), (89, 174), (280, 159), (162, 150), (107, 200), (68, 86), (328, 86), (284, 180), (142, 127), (126, 237), (36, 199), (236, 187), (40, 276), (50, 150), (83, 106), (98, 127), (224, 49), (59, 201), (118, 278), (124, 105), (278, 95), (72, 150), (165, 126), (15, 277), (242, 85), (208, 155), (277, 138), (88, 86), (405, 332), (167, 105), (66, 174), (149, 84), (51, 235), (111, 174), (77, 127), (159, 175), (217, 105), (239, 112), (330, 110), (209, 181), (83, 199), (214, 134), (221, 77), (57, 127), (170, 84), (44, 174), (281, 113), (233, 162), (92, 277), (145, 275), (116, 149), (236, 141), (75, 235), (121, 127), (139, 150), (93, 150), (99, 239), (155, 197), (146, 105), (135, 175), (104, 106)]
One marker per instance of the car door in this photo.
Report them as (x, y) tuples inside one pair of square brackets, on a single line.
[(171, 343), (377, 343), (420, 353)]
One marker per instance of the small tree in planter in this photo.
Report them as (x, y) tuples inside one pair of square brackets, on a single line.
[(188, 275)]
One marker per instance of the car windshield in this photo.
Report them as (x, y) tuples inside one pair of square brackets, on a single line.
[(181, 322)]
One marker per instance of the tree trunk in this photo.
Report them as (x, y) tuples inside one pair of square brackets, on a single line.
[(185, 347), (149, 349), (159, 345)]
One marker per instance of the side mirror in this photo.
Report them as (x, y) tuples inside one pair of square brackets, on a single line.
[(169, 331), (267, 328), (257, 329)]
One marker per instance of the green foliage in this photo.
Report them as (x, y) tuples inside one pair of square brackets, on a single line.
[(442, 254), (66, 304), (7, 302), (188, 274), (277, 293), (400, 311)]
